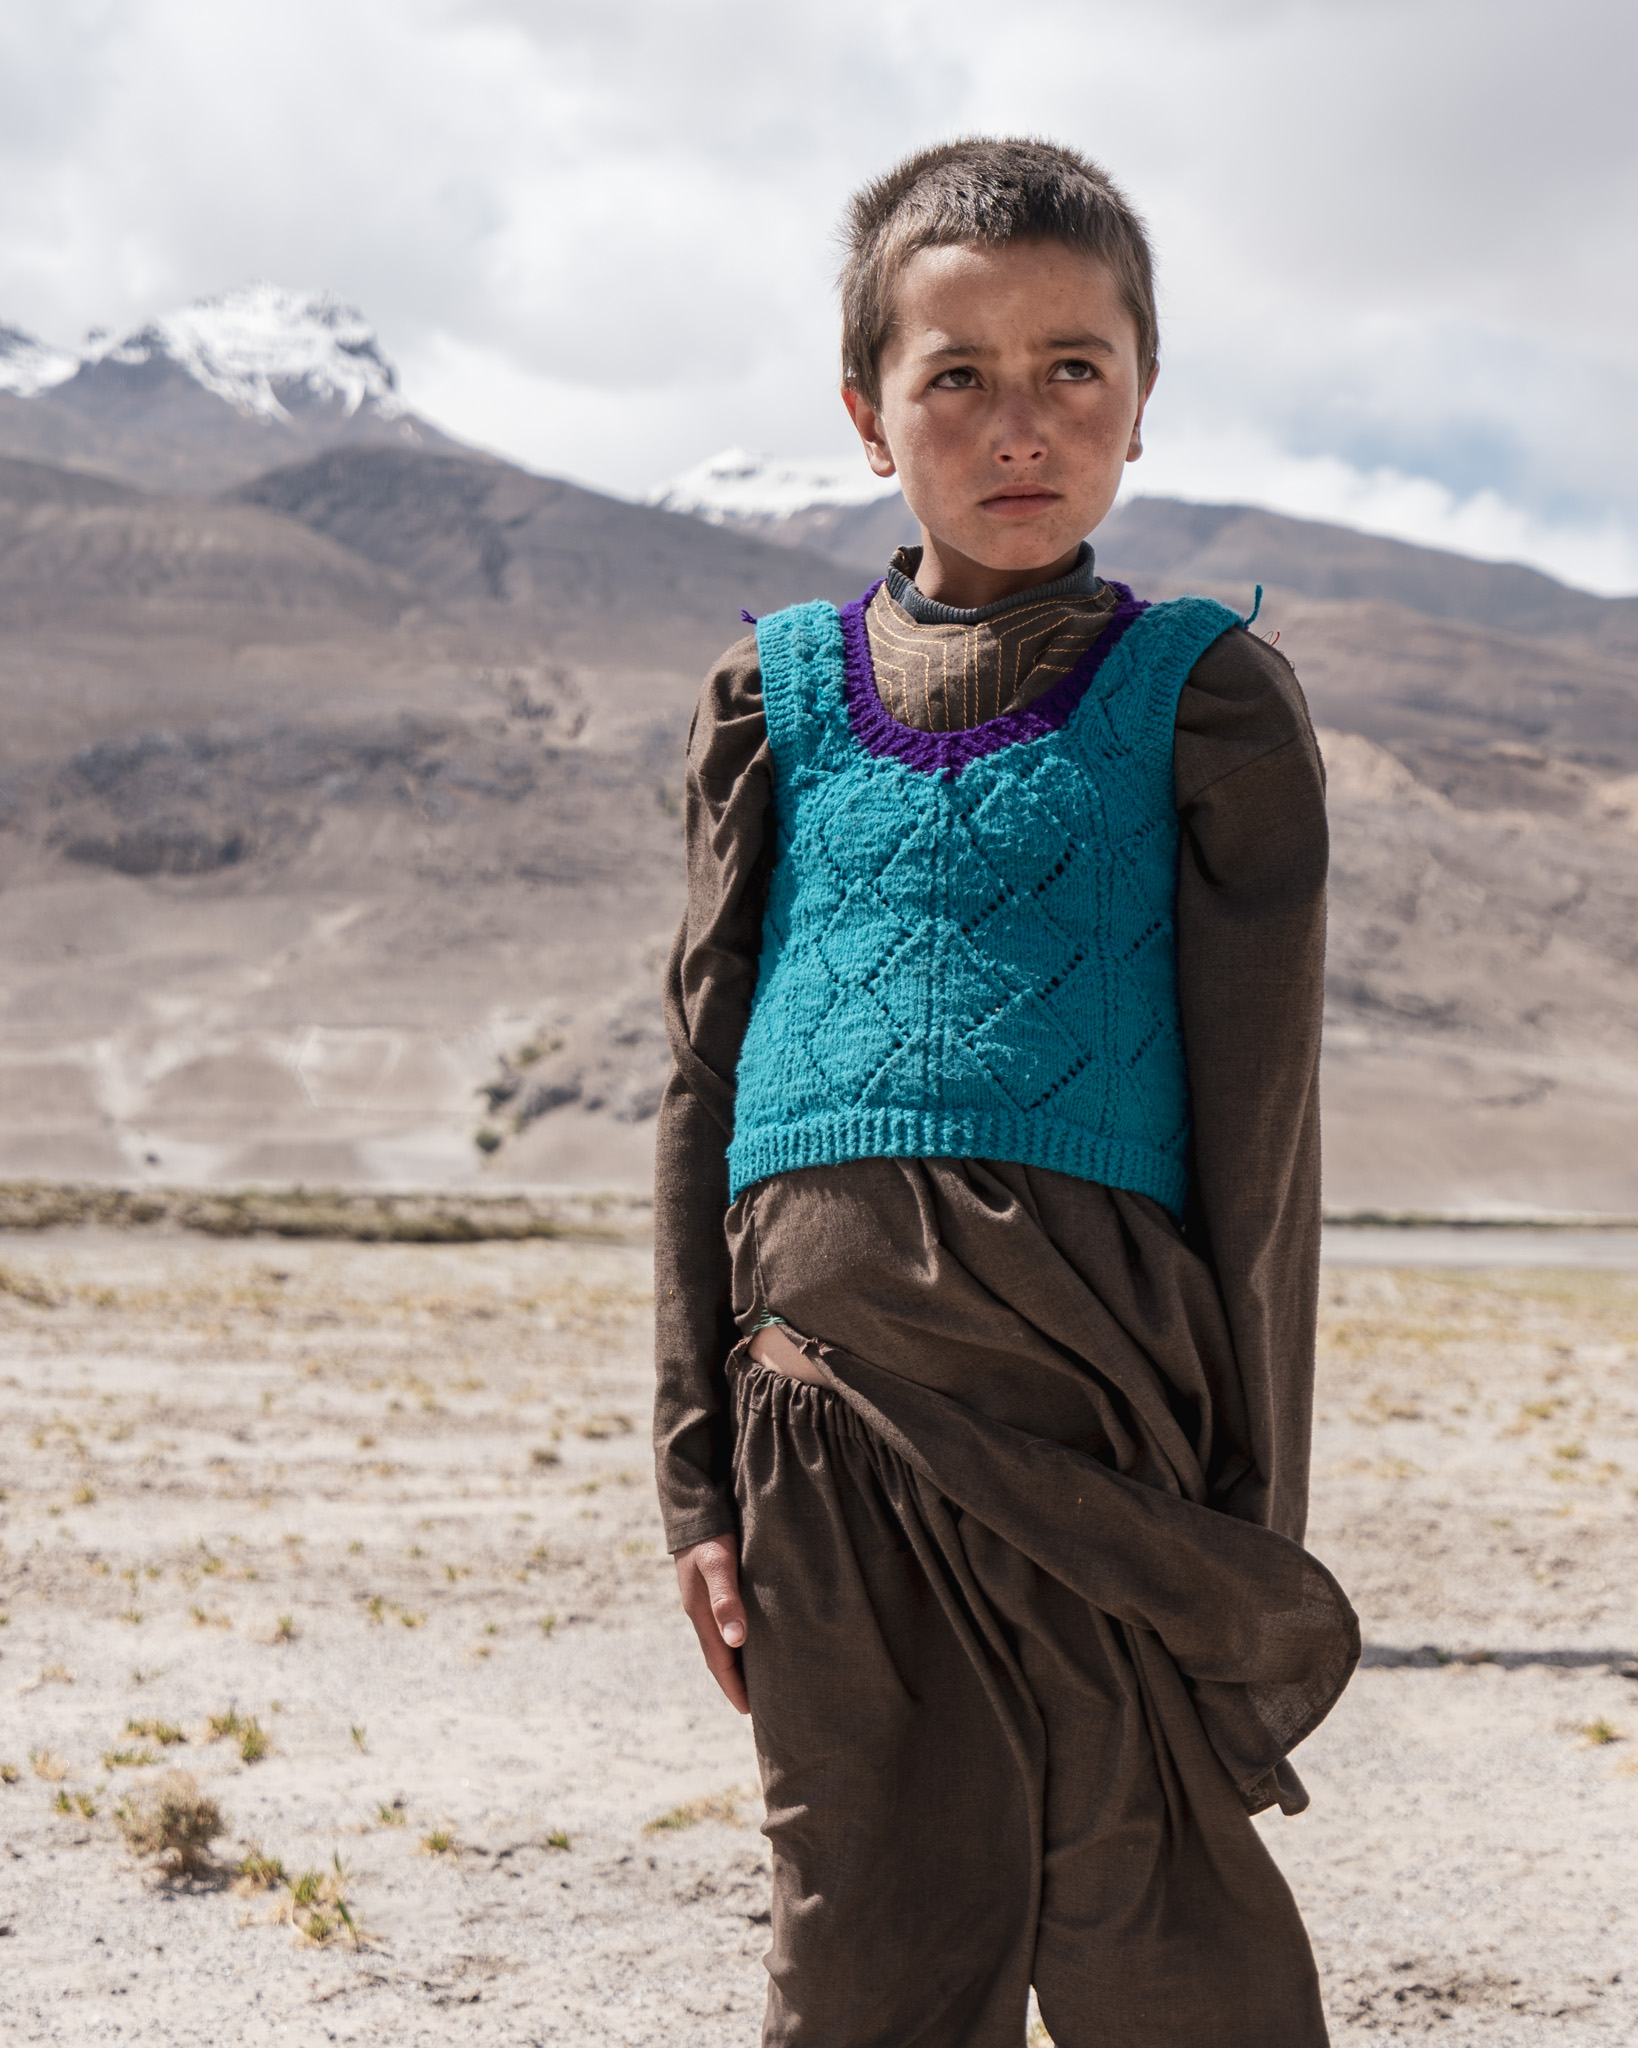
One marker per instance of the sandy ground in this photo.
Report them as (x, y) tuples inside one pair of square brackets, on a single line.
[(343, 1489)]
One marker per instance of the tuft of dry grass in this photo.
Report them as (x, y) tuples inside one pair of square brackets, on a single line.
[(46, 1764), (24, 1287), (391, 1815), (76, 1802), (174, 1821), (439, 1842), (248, 1736), (1600, 1732), (165, 1733), (128, 1759), (315, 1902), (258, 1873), (318, 1907), (284, 1629), (723, 1806)]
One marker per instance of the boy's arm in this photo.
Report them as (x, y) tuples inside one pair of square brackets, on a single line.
[(1251, 973), (709, 984)]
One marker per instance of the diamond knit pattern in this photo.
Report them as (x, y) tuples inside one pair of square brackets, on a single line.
[(976, 962)]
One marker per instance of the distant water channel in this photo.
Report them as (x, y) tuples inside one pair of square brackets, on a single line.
[(1480, 1244)]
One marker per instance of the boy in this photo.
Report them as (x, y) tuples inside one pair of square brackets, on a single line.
[(982, 1423)]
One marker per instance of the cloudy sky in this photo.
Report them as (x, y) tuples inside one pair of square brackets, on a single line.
[(1397, 242)]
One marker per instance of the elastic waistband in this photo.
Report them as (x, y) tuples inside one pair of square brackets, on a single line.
[(764, 1390)]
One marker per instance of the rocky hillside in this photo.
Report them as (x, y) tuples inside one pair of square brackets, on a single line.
[(339, 833)]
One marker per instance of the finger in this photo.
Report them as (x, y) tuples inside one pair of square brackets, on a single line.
[(710, 1597), (724, 1666), (727, 1609), (720, 1660)]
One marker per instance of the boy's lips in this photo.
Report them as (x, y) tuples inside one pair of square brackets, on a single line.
[(1018, 504)]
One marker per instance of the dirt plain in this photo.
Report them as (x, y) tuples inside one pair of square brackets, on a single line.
[(392, 1504)]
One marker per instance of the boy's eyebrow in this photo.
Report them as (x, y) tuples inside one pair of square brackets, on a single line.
[(1094, 344), (1091, 344)]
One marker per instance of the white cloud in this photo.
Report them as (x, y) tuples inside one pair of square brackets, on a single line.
[(1395, 234)]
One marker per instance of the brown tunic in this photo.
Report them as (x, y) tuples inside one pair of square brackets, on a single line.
[(1029, 1628), (1251, 937)]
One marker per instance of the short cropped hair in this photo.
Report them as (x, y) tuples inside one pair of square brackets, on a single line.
[(990, 190)]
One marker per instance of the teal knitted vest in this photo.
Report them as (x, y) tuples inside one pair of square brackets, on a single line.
[(969, 948)]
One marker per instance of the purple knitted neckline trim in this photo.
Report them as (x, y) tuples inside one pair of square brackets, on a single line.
[(945, 754)]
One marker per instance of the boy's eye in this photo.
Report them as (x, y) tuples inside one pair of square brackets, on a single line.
[(1074, 371), (961, 379)]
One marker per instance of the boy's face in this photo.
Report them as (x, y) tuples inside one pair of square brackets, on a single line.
[(1010, 401)]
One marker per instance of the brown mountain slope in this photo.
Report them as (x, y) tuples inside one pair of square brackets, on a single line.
[(94, 553), (338, 830), (308, 950), (1150, 538), (27, 486), (469, 532), (446, 583), (1482, 987), (1433, 690)]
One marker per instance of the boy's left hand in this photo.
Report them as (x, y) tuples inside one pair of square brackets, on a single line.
[(708, 1580)]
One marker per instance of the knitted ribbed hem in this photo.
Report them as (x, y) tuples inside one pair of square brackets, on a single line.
[(758, 1153)]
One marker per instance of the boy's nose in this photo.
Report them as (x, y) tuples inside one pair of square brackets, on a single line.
[(1019, 437)]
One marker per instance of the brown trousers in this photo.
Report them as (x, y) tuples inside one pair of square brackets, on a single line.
[(975, 1781)]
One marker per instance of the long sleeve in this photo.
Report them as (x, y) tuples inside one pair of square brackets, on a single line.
[(1251, 963), (710, 980)]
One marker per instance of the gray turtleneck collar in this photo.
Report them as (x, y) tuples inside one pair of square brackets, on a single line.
[(1079, 581)]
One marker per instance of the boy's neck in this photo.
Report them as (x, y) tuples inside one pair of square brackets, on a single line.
[(1078, 585), (951, 578)]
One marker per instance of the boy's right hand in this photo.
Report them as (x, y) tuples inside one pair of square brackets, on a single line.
[(708, 1580)]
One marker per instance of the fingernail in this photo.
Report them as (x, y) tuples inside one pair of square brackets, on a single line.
[(734, 1634)]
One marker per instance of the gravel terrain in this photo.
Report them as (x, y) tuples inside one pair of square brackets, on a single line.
[(390, 1507)]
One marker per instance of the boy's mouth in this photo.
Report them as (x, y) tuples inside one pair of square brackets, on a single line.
[(1018, 501)]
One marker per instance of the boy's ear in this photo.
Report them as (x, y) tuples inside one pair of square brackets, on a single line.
[(868, 420), (1134, 447)]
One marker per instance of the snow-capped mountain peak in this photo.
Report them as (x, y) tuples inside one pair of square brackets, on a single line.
[(741, 485), (28, 366), (249, 346)]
